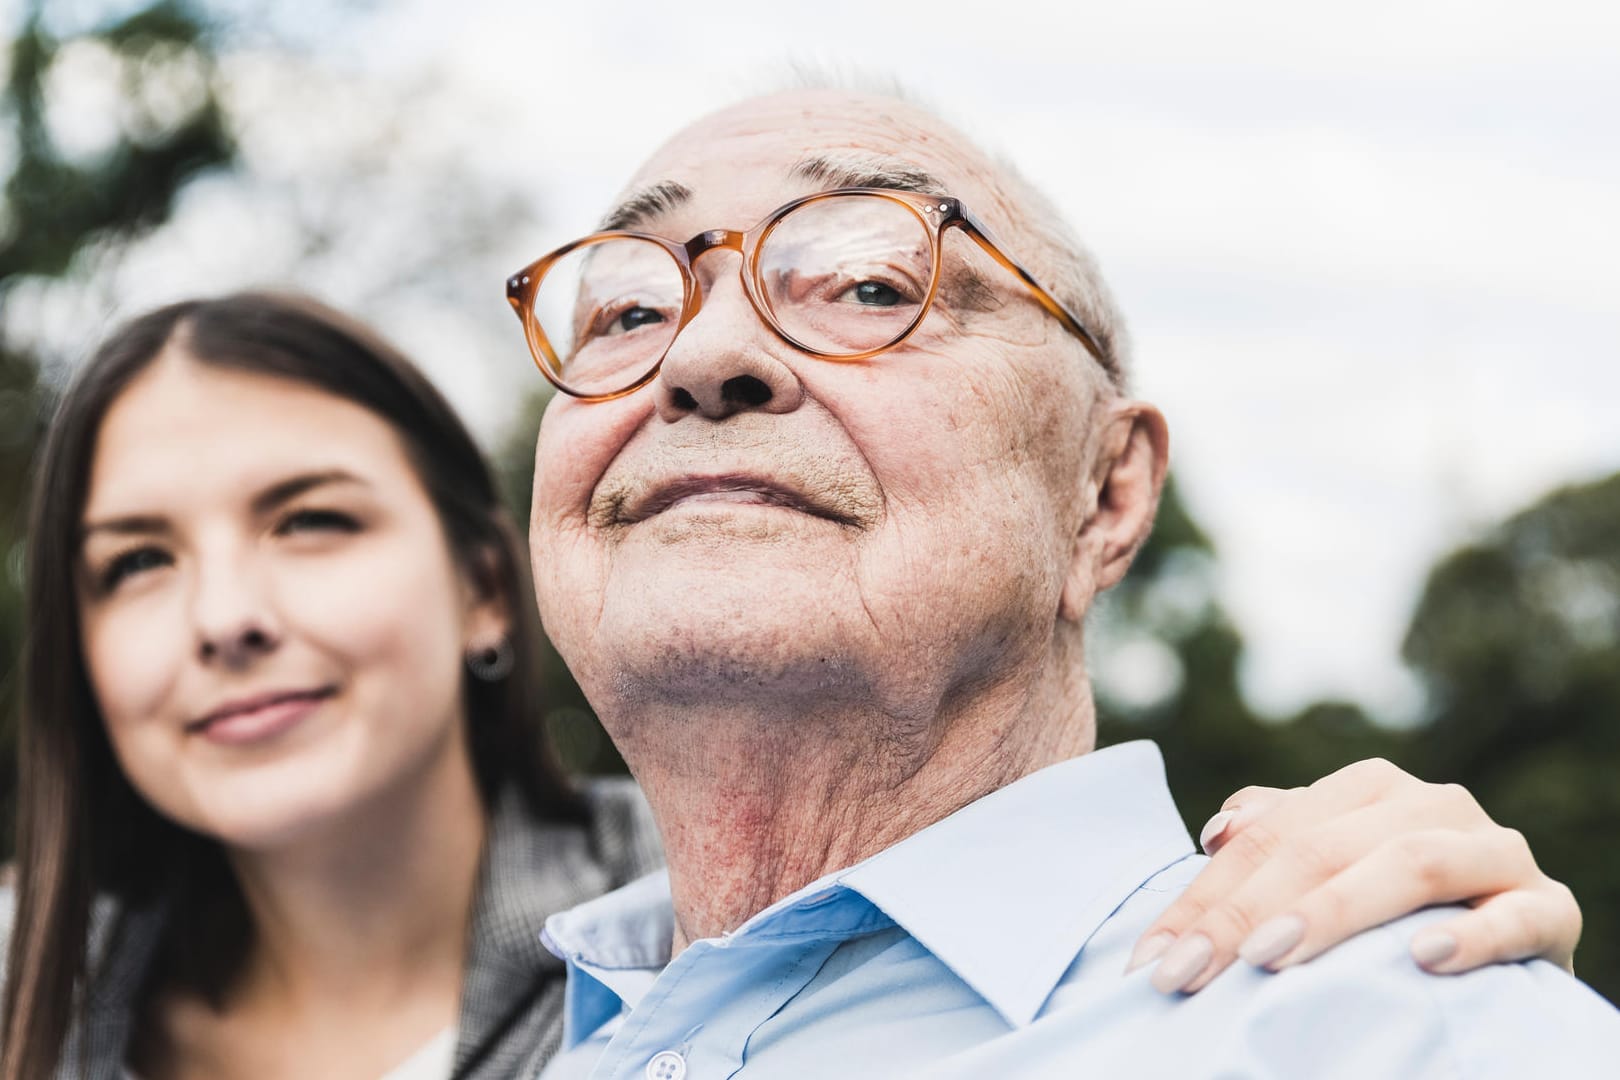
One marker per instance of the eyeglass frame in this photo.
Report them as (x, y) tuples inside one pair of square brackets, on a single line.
[(936, 213)]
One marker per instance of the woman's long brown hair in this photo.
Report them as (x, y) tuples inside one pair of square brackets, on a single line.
[(83, 832)]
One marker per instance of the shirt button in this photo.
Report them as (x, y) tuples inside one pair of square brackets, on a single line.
[(666, 1065)]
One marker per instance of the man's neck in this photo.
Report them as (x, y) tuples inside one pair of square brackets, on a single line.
[(765, 801)]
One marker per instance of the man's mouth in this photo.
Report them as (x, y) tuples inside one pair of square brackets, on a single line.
[(730, 488)]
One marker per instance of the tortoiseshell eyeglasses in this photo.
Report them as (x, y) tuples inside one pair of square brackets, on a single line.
[(841, 275)]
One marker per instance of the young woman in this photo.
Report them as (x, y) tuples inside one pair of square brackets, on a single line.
[(284, 804)]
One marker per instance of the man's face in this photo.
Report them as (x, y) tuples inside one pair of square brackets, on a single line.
[(758, 521)]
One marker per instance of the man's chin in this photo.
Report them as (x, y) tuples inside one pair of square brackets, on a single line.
[(746, 625)]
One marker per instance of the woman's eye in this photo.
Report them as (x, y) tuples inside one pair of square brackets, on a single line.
[(130, 563), (317, 521)]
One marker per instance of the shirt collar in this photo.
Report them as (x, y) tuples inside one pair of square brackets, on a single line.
[(614, 947), (1005, 892), (1008, 890)]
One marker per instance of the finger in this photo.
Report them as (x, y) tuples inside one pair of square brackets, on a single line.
[(1544, 922), (1305, 863), (1357, 785), (1239, 807), (1416, 870), (1367, 780), (1230, 867), (1246, 842), (1249, 841)]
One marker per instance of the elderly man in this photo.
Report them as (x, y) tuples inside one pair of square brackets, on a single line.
[(824, 579)]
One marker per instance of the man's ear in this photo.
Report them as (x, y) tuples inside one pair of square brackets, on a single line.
[(1121, 496)]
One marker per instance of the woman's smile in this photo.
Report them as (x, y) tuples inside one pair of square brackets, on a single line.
[(252, 720)]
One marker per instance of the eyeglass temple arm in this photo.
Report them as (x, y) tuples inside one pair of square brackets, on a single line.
[(981, 236)]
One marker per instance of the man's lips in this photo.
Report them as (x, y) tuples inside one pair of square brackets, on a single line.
[(259, 716), (733, 488)]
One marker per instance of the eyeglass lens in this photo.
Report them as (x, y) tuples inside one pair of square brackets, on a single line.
[(840, 276)]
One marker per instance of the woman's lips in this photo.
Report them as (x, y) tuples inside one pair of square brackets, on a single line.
[(258, 719)]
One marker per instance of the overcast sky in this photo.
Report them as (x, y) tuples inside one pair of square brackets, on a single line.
[(1368, 257)]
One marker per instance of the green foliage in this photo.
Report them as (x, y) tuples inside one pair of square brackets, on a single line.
[(53, 209), (56, 205), (1517, 638)]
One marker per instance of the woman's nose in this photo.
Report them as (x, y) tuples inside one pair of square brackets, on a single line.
[(234, 620)]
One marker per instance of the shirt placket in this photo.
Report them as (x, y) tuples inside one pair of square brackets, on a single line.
[(695, 1022)]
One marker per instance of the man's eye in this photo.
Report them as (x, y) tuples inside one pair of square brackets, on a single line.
[(300, 521), (875, 294), (638, 316), (130, 563), (623, 317)]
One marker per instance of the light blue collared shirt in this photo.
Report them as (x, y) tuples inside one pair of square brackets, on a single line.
[(992, 945)]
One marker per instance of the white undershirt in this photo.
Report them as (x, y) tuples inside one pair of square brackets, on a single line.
[(432, 1062)]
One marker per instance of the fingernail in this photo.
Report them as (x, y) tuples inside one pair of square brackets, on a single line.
[(1431, 947), (1213, 829), (1183, 963), (1272, 940), (1150, 949)]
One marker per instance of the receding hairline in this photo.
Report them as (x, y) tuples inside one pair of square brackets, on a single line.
[(1044, 240), (825, 171)]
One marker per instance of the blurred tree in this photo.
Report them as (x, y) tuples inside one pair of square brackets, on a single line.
[(1165, 659), (19, 429), (56, 206), (1517, 639)]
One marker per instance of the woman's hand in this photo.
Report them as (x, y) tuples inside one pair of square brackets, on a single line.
[(1297, 871)]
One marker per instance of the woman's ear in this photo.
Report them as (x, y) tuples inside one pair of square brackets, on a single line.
[(487, 614), (1122, 494)]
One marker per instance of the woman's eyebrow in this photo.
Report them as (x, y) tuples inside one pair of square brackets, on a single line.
[(125, 525), (294, 486), (265, 501)]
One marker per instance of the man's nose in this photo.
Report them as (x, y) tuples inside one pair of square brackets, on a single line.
[(232, 613), (726, 359)]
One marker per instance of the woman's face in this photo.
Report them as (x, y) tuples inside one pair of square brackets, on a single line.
[(273, 621)]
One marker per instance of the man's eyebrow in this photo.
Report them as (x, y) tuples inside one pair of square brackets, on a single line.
[(647, 201), (294, 486), (832, 171)]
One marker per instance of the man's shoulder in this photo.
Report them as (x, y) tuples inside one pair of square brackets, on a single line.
[(1361, 1009), (1365, 1007)]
